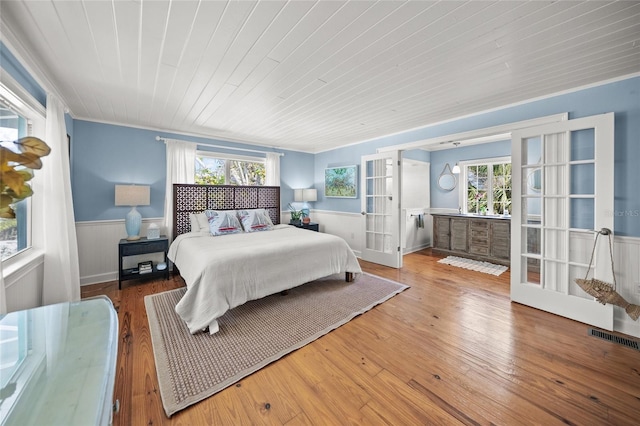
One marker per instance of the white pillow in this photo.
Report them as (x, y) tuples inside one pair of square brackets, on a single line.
[(223, 222), (255, 220), (199, 222)]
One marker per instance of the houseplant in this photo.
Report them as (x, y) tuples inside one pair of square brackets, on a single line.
[(296, 215), (16, 169)]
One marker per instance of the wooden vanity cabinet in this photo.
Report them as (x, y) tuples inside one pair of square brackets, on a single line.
[(476, 237)]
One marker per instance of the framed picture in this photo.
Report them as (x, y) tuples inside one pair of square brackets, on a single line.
[(341, 182)]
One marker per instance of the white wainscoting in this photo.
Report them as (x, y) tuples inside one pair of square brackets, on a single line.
[(626, 256), (98, 248), (345, 225), (98, 253)]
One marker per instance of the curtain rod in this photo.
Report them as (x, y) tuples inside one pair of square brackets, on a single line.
[(281, 154)]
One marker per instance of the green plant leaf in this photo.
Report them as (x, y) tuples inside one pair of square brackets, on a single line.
[(33, 145), (7, 213), (5, 201)]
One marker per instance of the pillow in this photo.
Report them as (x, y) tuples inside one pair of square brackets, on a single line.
[(255, 220), (199, 222), (223, 222)]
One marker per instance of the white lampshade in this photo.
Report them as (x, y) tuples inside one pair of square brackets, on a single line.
[(456, 169), (305, 195), (132, 195), (309, 195)]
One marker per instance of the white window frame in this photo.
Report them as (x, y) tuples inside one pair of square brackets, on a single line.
[(233, 157), (23, 103), (463, 179)]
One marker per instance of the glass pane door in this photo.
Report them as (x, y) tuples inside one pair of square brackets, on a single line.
[(560, 205), (381, 209)]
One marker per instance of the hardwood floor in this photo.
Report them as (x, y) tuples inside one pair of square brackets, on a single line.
[(452, 349)]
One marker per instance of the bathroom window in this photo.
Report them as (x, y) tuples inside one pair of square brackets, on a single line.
[(486, 186)]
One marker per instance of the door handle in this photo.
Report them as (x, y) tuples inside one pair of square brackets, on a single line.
[(363, 213)]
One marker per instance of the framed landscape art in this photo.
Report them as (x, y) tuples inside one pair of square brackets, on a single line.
[(341, 182)]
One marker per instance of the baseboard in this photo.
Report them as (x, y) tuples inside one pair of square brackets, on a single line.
[(630, 327), (99, 278), (408, 250)]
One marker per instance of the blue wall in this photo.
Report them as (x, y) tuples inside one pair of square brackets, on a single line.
[(105, 155), (622, 98), (449, 199)]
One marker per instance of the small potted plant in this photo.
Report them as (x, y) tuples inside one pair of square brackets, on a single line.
[(296, 215)]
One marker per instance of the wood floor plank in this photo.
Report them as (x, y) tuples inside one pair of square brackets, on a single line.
[(452, 349)]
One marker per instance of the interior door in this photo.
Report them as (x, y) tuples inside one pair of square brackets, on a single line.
[(381, 208), (562, 191)]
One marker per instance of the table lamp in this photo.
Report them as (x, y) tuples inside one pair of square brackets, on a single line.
[(132, 195), (305, 195)]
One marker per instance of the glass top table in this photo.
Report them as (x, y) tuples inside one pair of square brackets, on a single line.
[(57, 364)]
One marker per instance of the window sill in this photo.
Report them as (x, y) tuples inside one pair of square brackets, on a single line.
[(19, 265)]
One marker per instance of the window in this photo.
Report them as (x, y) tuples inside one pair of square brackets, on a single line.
[(487, 188), (14, 231), (226, 169)]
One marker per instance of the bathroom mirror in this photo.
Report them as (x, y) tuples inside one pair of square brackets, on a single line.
[(534, 180), (447, 180)]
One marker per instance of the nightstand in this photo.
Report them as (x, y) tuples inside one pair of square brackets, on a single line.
[(312, 226), (142, 246)]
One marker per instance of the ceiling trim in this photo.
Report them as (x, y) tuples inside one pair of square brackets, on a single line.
[(474, 137)]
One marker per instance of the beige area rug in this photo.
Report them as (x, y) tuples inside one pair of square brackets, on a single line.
[(193, 367), (474, 265)]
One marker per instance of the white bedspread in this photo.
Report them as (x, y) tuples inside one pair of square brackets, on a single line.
[(226, 271)]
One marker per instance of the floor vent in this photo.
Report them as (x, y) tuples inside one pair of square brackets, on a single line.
[(615, 339)]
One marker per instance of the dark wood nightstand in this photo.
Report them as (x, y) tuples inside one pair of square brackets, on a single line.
[(312, 226), (142, 246)]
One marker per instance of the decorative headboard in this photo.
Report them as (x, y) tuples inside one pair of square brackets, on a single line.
[(189, 198)]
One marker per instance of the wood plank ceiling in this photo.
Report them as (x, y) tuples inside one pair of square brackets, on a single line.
[(312, 76)]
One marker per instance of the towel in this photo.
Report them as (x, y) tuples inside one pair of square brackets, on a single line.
[(420, 221)]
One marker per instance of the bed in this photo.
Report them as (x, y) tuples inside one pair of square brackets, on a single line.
[(225, 271)]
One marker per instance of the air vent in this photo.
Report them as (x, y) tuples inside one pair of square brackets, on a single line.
[(615, 339)]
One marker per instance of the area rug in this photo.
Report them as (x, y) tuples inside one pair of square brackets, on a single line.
[(474, 265), (193, 367)]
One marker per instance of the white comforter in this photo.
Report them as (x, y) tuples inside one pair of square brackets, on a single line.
[(226, 271)]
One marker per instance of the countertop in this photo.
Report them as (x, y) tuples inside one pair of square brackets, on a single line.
[(474, 216)]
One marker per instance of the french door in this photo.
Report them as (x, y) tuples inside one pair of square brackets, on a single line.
[(380, 184), (562, 192)]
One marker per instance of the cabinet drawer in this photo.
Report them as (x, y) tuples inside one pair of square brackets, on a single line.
[(480, 234), (480, 225), (143, 247), (482, 250)]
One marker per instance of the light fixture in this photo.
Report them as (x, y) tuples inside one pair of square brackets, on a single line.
[(456, 168), (304, 196), (133, 195)]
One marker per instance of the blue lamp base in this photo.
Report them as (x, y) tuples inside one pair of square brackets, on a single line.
[(132, 224)]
